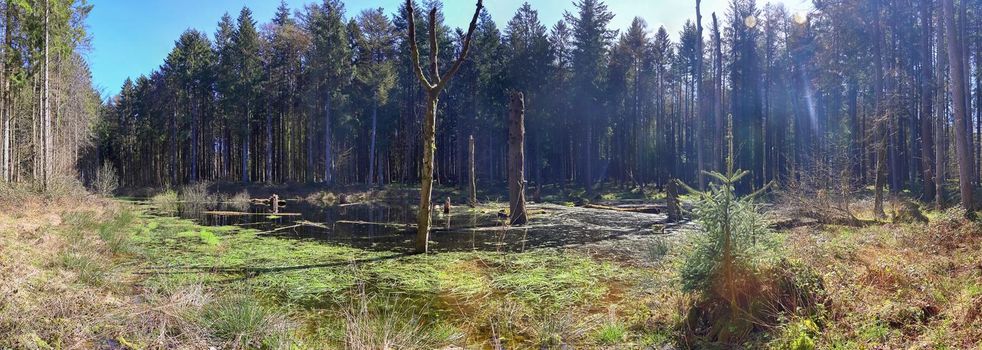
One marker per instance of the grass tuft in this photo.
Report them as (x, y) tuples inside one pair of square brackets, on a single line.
[(242, 322)]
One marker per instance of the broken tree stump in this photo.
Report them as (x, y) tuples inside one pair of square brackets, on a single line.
[(672, 198), (516, 159)]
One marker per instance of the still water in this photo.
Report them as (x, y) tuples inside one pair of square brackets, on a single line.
[(390, 226)]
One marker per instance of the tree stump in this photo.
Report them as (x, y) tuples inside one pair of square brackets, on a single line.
[(672, 197), (274, 203), (516, 158)]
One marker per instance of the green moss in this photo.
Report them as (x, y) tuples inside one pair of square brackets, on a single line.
[(312, 279)]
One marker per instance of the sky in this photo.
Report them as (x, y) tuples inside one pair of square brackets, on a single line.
[(132, 37)]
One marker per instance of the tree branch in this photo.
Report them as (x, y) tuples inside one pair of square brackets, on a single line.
[(414, 49), (434, 48), (467, 45)]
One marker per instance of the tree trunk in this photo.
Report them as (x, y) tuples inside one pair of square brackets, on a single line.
[(246, 138), (311, 136), (879, 116), (4, 104), (426, 173), (471, 174), (172, 164), (371, 147), (516, 159), (701, 99), (328, 156), (268, 170), (194, 140), (718, 105), (956, 66), (926, 132), (46, 129)]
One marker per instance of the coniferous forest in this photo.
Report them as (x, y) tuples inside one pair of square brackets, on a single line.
[(321, 95), (325, 178)]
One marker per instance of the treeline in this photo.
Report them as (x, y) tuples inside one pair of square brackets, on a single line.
[(47, 103), (861, 86)]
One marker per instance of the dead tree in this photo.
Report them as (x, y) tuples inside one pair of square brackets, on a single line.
[(472, 175), (433, 89), (674, 208), (516, 158)]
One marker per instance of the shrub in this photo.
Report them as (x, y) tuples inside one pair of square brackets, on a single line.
[(167, 196), (106, 181), (196, 193)]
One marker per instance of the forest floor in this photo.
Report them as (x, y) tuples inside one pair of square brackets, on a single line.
[(84, 272)]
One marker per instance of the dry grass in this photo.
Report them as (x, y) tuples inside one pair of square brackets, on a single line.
[(66, 282), (899, 286)]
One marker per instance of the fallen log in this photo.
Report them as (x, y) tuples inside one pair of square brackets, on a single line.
[(240, 213), (369, 223), (643, 209)]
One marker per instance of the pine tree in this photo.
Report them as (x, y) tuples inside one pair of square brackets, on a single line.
[(247, 67), (330, 64), (591, 42), (376, 70)]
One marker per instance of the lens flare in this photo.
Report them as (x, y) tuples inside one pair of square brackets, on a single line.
[(800, 17), (750, 21)]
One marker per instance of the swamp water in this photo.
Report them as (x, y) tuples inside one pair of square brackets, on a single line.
[(390, 226)]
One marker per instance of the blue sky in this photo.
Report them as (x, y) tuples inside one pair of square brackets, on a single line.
[(132, 37)]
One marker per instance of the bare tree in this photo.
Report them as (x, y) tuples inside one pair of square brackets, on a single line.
[(433, 90)]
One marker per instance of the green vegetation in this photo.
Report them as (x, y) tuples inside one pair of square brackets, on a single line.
[(823, 287), (444, 298)]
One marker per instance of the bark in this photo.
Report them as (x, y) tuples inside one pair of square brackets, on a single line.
[(699, 115), (246, 138), (46, 129), (371, 146), (674, 209), (309, 171), (926, 132), (880, 179), (718, 107), (5, 116), (172, 166), (268, 172), (328, 156), (956, 67), (940, 145), (516, 159), (471, 174), (426, 173), (879, 116), (194, 140)]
